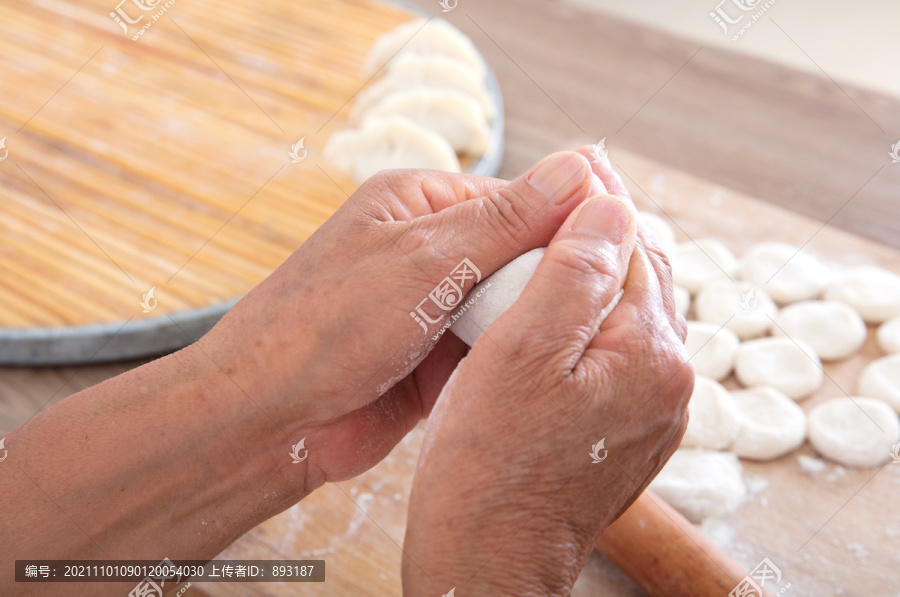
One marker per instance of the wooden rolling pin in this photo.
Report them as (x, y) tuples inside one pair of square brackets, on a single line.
[(666, 556)]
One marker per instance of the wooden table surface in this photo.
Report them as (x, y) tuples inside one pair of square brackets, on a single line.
[(806, 143)]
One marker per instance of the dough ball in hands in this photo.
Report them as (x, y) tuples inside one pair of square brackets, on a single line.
[(660, 229), (790, 367), (424, 37), (881, 379), (872, 291), (786, 272), (711, 348), (858, 432), (888, 335), (701, 484), (831, 328), (714, 420), (772, 424), (695, 263), (387, 143), (741, 307), (682, 300)]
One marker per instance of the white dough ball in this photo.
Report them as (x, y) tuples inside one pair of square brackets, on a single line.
[(857, 432), (424, 37), (881, 379), (741, 307), (387, 143), (452, 114), (786, 272), (772, 424), (872, 291), (714, 420), (696, 263), (788, 366), (711, 348), (682, 300), (701, 484), (833, 329), (660, 229), (888, 335)]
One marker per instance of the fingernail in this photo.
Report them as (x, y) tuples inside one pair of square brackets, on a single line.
[(604, 216), (558, 176)]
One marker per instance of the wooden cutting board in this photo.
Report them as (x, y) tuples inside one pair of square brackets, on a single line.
[(838, 529)]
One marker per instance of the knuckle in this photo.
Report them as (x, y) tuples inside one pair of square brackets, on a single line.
[(575, 261), (508, 211)]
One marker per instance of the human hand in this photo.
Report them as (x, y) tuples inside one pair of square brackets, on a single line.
[(506, 499)]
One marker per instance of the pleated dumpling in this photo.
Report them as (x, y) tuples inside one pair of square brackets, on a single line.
[(452, 114), (408, 71), (389, 142), (426, 38)]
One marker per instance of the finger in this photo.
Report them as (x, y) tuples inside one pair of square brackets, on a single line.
[(583, 269)]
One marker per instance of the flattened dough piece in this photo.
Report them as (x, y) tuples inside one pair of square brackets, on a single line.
[(888, 335), (660, 229), (714, 419), (858, 432), (711, 348), (741, 307), (832, 328), (425, 38), (872, 291), (881, 379), (790, 367), (450, 113), (386, 143), (696, 263), (682, 300), (702, 484), (797, 275), (772, 424)]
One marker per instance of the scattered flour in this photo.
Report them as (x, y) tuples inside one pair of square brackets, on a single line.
[(811, 465)]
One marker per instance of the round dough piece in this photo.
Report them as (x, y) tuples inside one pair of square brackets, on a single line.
[(772, 424), (857, 432), (787, 273), (872, 291), (888, 334), (741, 307), (660, 229), (832, 328), (881, 379), (790, 367), (425, 37), (682, 300), (711, 348), (714, 419), (696, 263), (386, 143), (701, 484)]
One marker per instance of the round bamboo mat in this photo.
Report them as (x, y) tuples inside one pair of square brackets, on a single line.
[(163, 162)]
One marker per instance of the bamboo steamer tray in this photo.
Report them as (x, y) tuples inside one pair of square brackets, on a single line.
[(163, 162)]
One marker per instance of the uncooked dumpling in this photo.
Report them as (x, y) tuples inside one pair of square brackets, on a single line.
[(889, 335), (452, 114), (711, 349), (386, 143), (772, 424), (872, 291), (701, 484), (696, 263), (714, 420), (881, 379), (858, 432), (789, 366), (786, 273), (741, 307), (833, 329), (410, 71), (425, 38), (660, 229)]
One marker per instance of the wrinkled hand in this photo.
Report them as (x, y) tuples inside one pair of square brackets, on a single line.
[(506, 498)]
